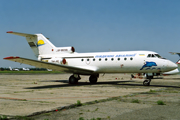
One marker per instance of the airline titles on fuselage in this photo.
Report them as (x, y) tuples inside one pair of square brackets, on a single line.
[(123, 55)]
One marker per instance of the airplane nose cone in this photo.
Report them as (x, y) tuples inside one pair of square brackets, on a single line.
[(171, 65)]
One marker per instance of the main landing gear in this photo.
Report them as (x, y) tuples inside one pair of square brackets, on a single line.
[(73, 79), (93, 79)]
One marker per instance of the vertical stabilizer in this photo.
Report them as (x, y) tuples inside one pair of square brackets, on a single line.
[(38, 43), (44, 45)]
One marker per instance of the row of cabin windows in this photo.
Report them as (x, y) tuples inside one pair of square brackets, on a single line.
[(107, 59)]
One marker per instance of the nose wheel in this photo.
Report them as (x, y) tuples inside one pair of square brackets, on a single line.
[(147, 82)]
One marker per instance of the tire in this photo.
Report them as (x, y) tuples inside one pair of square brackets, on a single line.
[(93, 79), (73, 80), (146, 83)]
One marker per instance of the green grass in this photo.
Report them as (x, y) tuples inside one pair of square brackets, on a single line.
[(160, 102), (79, 103), (4, 117), (81, 118), (152, 91), (23, 118), (135, 101)]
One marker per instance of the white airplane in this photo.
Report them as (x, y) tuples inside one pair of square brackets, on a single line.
[(175, 71), (49, 69), (13, 69), (26, 69), (67, 60)]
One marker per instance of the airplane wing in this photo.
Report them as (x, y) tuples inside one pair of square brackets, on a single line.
[(57, 67)]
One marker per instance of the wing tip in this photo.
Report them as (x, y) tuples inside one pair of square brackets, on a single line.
[(9, 32), (11, 57)]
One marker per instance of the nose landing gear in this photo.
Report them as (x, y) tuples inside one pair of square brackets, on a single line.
[(147, 82)]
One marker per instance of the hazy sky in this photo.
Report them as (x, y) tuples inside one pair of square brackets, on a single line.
[(91, 25)]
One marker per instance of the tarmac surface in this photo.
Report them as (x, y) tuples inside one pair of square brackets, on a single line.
[(115, 97)]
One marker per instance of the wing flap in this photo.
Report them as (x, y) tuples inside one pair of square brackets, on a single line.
[(57, 67)]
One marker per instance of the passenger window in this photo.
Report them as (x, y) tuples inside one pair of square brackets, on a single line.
[(94, 59), (99, 59), (125, 58), (105, 59), (112, 59), (131, 58), (87, 59), (118, 59), (82, 59)]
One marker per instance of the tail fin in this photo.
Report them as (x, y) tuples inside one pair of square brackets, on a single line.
[(10, 68), (38, 43)]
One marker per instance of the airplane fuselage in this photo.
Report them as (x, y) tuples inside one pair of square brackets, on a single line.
[(113, 62)]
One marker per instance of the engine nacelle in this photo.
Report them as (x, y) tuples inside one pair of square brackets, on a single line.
[(64, 50)]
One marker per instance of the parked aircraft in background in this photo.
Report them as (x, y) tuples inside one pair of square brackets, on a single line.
[(26, 69), (67, 60), (49, 69), (13, 69)]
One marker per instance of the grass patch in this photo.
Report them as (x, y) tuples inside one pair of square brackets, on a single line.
[(160, 102), (23, 91), (47, 114), (98, 118), (4, 117), (78, 103), (81, 118), (23, 118), (135, 101), (95, 110), (152, 91)]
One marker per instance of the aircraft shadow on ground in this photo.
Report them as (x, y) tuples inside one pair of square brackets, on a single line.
[(171, 78), (78, 84), (168, 86), (118, 83)]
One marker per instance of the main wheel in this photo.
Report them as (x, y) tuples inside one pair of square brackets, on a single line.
[(93, 79), (73, 80)]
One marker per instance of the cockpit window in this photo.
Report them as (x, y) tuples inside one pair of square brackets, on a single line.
[(157, 55), (154, 55), (149, 55)]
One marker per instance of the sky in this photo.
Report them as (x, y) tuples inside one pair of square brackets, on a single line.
[(91, 26)]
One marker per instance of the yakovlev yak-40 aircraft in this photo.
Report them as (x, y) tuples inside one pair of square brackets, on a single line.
[(67, 60)]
